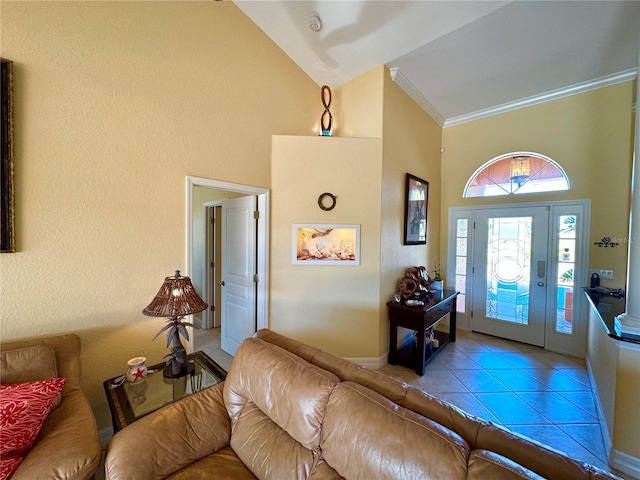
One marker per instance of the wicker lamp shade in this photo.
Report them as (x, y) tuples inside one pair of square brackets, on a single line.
[(176, 298)]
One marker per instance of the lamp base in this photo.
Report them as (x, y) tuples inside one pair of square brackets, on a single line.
[(188, 369)]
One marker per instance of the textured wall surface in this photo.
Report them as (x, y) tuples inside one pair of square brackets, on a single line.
[(589, 135), (333, 307), (115, 103)]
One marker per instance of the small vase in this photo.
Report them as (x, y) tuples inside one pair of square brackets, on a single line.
[(137, 369), (437, 284)]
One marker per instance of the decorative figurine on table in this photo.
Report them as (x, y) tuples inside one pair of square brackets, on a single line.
[(413, 287)]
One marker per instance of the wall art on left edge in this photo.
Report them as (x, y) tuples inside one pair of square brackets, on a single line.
[(7, 206), (322, 244)]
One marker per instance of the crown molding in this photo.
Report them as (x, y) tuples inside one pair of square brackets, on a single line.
[(410, 89), (620, 77)]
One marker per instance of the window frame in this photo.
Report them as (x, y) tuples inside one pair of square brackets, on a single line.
[(512, 155)]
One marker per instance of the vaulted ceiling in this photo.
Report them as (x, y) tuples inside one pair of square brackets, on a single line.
[(461, 60)]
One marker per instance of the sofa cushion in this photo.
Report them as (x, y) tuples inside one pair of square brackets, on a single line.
[(178, 434), (527, 452), (222, 465), (463, 423), (276, 402), (484, 464), (391, 388), (296, 405), (279, 455), (23, 409), (67, 351), (28, 364), (388, 441)]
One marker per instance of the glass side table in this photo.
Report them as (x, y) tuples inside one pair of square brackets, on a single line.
[(130, 401)]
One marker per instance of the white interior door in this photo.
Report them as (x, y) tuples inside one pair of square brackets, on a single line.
[(510, 277), (238, 270)]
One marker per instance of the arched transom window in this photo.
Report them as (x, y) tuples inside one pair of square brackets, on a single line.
[(516, 173)]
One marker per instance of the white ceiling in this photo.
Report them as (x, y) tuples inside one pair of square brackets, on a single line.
[(461, 60)]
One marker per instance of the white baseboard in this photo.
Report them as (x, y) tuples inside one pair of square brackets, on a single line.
[(370, 362), (379, 362), (625, 463)]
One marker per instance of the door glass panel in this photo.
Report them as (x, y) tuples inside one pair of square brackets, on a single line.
[(461, 246), (462, 228), (566, 243), (508, 268)]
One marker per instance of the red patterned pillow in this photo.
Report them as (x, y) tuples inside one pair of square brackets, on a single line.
[(23, 409)]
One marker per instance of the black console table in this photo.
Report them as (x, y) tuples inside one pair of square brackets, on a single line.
[(421, 318)]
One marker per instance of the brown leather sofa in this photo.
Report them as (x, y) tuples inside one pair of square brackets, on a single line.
[(288, 411), (67, 446)]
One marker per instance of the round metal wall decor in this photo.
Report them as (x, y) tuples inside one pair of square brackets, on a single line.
[(321, 202)]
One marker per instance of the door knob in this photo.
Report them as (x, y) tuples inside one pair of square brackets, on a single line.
[(221, 283), (541, 284)]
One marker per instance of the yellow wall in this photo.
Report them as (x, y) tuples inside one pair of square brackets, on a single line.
[(627, 413), (358, 105), (333, 307), (370, 185), (614, 365), (411, 144), (115, 103), (587, 134), (602, 357)]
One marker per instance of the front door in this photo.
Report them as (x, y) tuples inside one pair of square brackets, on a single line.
[(238, 272), (510, 278)]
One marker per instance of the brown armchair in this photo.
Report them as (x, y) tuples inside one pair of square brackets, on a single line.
[(67, 446)]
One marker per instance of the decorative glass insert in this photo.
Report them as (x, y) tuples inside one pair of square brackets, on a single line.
[(566, 244), (517, 173), (462, 234), (508, 268)]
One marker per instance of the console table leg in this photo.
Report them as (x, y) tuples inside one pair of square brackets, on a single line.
[(392, 358), (452, 320), (420, 352)]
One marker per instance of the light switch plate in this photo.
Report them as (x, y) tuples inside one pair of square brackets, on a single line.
[(603, 274), (608, 274)]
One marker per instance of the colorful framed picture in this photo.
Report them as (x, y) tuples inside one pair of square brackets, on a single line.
[(415, 211), (7, 213), (321, 244)]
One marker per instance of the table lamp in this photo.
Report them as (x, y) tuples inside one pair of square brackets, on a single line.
[(175, 299)]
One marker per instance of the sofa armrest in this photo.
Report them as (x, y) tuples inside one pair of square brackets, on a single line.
[(67, 446), (171, 438)]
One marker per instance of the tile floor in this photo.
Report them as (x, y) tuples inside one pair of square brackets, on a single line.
[(543, 395)]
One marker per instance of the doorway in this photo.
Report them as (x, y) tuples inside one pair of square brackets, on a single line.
[(520, 270), (196, 263), (510, 251), (212, 289)]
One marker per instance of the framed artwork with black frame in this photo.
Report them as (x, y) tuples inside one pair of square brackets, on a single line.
[(415, 211), (7, 213)]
